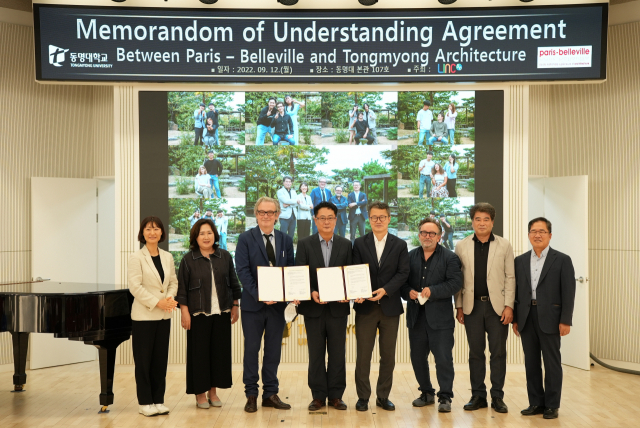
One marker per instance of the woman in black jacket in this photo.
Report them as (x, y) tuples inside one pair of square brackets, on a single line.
[(207, 316)]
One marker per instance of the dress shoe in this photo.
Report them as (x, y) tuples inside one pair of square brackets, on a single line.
[(445, 405), (424, 400), (252, 404), (148, 410), (274, 401), (385, 404), (476, 402), (498, 405), (362, 405), (162, 409), (338, 404), (550, 413), (532, 410), (316, 405), (216, 403)]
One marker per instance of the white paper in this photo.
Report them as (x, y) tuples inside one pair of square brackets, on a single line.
[(270, 284), (296, 283), (331, 284), (357, 281), (421, 299)]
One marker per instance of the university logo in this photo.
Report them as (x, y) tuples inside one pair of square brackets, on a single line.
[(449, 68), (56, 55)]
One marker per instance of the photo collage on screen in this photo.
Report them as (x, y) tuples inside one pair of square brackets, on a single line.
[(413, 150)]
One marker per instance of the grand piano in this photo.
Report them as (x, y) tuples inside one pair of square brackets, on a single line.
[(100, 318)]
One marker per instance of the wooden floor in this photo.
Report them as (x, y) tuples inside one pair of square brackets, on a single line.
[(68, 397)]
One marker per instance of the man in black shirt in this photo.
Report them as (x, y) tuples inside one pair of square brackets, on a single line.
[(214, 169), (282, 126), (264, 122), (213, 115), (362, 129)]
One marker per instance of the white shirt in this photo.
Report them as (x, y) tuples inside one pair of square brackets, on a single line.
[(357, 209), (425, 117), (536, 269), (450, 119), (428, 165), (380, 245)]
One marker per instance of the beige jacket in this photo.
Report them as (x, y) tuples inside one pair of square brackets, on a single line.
[(501, 280), (145, 285)]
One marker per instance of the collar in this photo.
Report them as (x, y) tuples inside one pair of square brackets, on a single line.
[(383, 240), (262, 232), (436, 251), (491, 238), (543, 254), (322, 239), (196, 254)]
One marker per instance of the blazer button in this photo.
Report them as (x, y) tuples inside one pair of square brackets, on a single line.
[(162, 291)]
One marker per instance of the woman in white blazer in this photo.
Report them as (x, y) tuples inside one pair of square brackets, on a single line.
[(153, 283)]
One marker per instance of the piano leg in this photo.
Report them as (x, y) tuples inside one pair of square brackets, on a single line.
[(20, 347), (107, 356)]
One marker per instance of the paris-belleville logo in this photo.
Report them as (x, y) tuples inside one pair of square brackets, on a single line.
[(56, 55)]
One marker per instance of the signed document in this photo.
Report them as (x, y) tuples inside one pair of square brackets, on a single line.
[(357, 281), (270, 284), (331, 284), (296, 283)]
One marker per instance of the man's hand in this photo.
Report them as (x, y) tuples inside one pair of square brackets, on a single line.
[(507, 315), (316, 298), (296, 302), (460, 316), (515, 329), (270, 303), (353, 204), (378, 294), (360, 300), (426, 292), (413, 295), (564, 329)]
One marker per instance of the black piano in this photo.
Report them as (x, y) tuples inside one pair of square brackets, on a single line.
[(98, 318)]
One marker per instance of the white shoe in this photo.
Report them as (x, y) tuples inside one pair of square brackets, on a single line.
[(148, 410), (162, 409)]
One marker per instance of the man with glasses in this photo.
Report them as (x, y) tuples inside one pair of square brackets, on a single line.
[(357, 201), (546, 289), (341, 204), (434, 277), (326, 323), (485, 305), (388, 262), (262, 246), (319, 194), (288, 203)]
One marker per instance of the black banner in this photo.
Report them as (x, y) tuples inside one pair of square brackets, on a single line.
[(412, 45)]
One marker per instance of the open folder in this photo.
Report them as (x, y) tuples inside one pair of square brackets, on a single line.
[(344, 283), (283, 284)]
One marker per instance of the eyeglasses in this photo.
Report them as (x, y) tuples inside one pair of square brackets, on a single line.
[(325, 219), (266, 213), (429, 234), (538, 232), (376, 218)]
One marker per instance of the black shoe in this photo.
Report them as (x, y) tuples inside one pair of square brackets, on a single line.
[(550, 413), (316, 405), (498, 405), (338, 404), (362, 405), (252, 405), (532, 410), (424, 400), (274, 401), (385, 404), (476, 402), (445, 405)]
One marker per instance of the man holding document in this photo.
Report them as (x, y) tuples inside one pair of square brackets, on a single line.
[(262, 246), (325, 321), (435, 276), (388, 262)]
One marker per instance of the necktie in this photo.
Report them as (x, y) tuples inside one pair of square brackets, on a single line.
[(271, 254), (323, 196)]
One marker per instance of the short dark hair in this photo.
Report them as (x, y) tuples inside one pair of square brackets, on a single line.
[(430, 220), (286, 177), (153, 220), (432, 212), (304, 183), (195, 231), (208, 209), (427, 103), (366, 105), (220, 211), (356, 181), (212, 104), (360, 114), (379, 205), (202, 105), (272, 98), (278, 103), (325, 204), (429, 152), (534, 221), (483, 207), (211, 152)]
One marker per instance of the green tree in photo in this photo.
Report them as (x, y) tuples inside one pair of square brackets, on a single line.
[(412, 211), (181, 105), (409, 103), (181, 209), (337, 105)]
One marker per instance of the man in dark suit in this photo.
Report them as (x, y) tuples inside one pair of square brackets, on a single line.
[(434, 274), (389, 269), (341, 203), (357, 201), (262, 246), (326, 323), (319, 194), (545, 293)]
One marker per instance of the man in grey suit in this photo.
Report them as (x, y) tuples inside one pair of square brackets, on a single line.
[(546, 288), (326, 323), (288, 203), (485, 304)]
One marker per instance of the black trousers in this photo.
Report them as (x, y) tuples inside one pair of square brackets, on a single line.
[(451, 187), (535, 342), (327, 334), (150, 355), (198, 136), (480, 323), (209, 353), (304, 228), (367, 327)]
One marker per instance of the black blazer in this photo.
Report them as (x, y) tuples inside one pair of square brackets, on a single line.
[(390, 273), (309, 253), (555, 293), (445, 280)]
